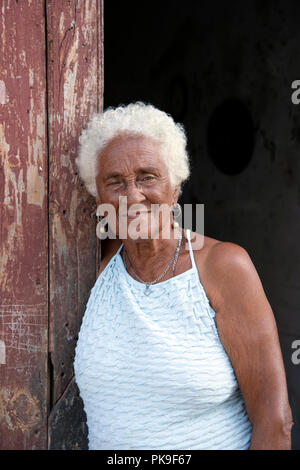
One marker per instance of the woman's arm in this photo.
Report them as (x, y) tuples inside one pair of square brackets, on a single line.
[(248, 332)]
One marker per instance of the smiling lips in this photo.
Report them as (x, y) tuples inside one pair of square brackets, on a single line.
[(138, 213)]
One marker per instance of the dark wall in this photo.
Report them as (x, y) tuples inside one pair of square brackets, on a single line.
[(225, 69)]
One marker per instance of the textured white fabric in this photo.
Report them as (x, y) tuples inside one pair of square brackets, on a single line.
[(151, 370)]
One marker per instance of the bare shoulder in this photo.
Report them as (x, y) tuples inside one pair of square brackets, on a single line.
[(109, 248), (203, 247), (224, 266), (226, 254), (236, 278)]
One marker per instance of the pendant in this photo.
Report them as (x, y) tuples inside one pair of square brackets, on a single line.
[(147, 290)]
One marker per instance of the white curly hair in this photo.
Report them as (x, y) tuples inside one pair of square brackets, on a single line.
[(135, 118)]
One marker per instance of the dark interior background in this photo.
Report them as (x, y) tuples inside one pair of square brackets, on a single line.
[(225, 69)]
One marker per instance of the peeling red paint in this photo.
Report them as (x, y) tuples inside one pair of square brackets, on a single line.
[(34, 321), (23, 233), (75, 92)]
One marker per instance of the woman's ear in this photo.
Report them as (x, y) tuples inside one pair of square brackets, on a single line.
[(175, 195)]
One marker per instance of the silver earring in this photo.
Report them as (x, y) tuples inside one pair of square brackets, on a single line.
[(101, 227), (176, 209)]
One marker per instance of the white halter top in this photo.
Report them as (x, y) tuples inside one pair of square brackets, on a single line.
[(152, 371)]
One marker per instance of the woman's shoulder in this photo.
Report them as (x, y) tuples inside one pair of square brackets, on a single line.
[(213, 248), (217, 259)]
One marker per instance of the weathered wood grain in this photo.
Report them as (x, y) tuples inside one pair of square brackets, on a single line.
[(51, 66), (24, 226), (67, 422), (74, 31)]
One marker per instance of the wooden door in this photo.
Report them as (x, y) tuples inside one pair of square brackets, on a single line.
[(51, 76)]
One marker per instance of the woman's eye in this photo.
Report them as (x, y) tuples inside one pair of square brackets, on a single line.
[(147, 178)]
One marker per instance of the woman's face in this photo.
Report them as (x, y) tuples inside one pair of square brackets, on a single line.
[(132, 166)]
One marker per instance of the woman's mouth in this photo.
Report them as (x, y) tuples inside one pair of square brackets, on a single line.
[(136, 215)]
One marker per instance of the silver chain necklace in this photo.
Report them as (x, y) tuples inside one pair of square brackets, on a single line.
[(174, 259)]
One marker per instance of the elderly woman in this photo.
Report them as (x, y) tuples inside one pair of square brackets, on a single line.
[(178, 347)]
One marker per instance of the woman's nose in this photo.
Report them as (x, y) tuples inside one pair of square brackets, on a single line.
[(134, 193)]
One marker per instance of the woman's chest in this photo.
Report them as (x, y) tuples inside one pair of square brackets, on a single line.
[(124, 345)]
